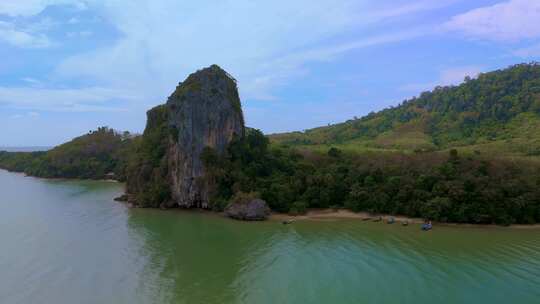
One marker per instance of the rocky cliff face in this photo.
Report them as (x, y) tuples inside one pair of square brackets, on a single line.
[(204, 111), (167, 170)]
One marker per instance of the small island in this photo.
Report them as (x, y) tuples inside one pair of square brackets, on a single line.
[(459, 154)]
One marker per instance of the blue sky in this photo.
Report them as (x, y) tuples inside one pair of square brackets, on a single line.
[(69, 66)]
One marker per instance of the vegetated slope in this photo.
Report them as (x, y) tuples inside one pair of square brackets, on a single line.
[(92, 156), (446, 187), (148, 168), (497, 112)]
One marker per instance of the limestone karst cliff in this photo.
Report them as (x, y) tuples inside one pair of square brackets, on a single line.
[(203, 111)]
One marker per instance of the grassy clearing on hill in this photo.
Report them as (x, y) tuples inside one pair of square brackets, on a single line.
[(497, 114)]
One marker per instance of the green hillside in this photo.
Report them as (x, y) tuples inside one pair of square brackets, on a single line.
[(442, 156), (99, 154), (499, 112)]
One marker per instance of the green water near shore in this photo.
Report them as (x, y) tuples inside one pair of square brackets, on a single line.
[(68, 242)]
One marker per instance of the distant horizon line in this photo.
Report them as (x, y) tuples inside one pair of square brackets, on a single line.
[(25, 148)]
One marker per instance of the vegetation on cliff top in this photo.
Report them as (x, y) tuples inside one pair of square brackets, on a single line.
[(194, 84)]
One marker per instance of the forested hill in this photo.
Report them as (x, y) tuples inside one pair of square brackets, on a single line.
[(498, 111), (97, 155)]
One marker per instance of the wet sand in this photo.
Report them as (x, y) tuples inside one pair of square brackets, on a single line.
[(332, 215)]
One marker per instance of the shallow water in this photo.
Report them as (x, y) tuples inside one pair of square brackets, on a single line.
[(68, 242)]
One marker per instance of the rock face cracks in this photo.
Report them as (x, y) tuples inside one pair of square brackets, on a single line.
[(204, 111)]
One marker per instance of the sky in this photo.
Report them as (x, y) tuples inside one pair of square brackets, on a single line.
[(69, 66)]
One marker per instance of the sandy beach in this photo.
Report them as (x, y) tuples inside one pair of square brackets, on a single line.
[(332, 215)]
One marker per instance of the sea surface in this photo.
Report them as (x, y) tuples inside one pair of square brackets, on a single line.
[(69, 242)]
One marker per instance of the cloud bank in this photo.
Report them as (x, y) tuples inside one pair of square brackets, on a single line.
[(507, 21)]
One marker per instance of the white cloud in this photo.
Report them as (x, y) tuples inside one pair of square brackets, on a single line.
[(27, 34), (79, 34), (20, 32), (42, 25), (32, 81), (262, 43), (23, 39), (507, 21), (28, 114), (279, 70), (240, 36), (527, 52), (456, 75), (447, 77), (328, 53), (26, 8), (93, 99), (410, 7), (74, 20)]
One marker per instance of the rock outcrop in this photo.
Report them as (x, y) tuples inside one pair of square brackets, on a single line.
[(204, 111), (167, 170), (252, 210)]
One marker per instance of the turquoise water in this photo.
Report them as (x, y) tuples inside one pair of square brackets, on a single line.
[(68, 242)]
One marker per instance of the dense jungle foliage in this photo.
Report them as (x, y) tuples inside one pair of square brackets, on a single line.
[(99, 154), (445, 187), (496, 112), (147, 169), (465, 153)]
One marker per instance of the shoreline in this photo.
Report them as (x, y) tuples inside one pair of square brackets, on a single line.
[(330, 214), (315, 214), (341, 214), (62, 178)]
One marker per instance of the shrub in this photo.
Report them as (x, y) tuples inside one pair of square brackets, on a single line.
[(298, 208), (243, 197)]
